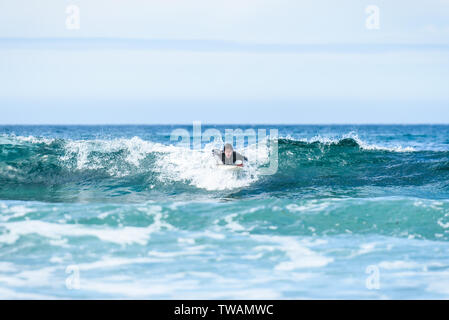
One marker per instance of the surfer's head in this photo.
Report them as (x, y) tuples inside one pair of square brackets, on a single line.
[(228, 150)]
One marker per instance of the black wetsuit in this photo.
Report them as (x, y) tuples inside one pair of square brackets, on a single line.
[(231, 160)]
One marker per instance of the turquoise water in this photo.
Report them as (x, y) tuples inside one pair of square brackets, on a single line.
[(352, 212)]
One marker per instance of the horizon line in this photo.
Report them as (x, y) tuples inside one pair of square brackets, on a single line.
[(230, 124), (210, 45)]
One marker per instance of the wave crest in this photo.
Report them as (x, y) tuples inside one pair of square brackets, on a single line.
[(135, 165)]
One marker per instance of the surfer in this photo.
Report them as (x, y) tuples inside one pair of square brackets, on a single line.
[(228, 156)]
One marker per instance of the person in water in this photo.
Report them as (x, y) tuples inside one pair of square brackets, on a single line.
[(228, 156)]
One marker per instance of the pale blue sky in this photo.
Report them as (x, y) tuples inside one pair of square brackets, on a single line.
[(264, 61)]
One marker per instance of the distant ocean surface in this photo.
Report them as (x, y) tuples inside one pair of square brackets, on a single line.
[(354, 212)]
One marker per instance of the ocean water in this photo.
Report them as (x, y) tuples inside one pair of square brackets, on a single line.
[(358, 212)]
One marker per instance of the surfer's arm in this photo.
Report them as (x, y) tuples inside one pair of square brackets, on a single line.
[(216, 152), (240, 157), (217, 155)]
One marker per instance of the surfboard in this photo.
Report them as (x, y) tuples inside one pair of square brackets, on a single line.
[(229, 167)]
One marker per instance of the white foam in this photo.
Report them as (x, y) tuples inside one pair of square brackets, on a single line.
[(186, 240), (83, 151), (213, 235), (187, 251), (365, 248), (7, 294), (443, 224), (6, 267), (233, 225), (173, 163), (399, 264), (440, 284), (143, 288), (355, 137), (199, 168), (299, 255), (60, 259), (310, 206), (14, 211), (15, 140), (30, 278), (110, 262), (124, 236), (367, 146)]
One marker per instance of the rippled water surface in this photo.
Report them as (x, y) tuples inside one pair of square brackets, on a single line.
[(352, 212)]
